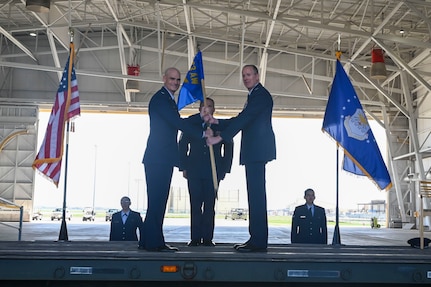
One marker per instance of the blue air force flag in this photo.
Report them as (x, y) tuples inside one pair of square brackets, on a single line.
[(191, 90), (345, 121)]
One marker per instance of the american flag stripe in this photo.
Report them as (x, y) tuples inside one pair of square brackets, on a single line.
[(66, 106)]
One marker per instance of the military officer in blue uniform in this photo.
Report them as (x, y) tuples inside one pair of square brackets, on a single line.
[(309, 222), (125, 223), (160, 158), (257, 149), (196, 166)]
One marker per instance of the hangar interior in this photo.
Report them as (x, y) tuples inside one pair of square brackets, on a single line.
[(292, 42)]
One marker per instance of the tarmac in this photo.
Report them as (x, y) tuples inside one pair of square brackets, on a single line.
[(177, 230)]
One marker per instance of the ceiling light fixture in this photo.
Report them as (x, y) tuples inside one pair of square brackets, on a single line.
[(378, 67)]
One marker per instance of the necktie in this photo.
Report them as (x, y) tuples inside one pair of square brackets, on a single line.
[(310, 209), (248, 98), (124, 217)]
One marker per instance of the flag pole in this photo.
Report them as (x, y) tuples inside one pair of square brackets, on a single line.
[(198, 73), (66, 106), (336, 240), (211, 148), (63, 236)]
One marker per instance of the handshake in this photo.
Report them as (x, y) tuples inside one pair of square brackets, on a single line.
[(211, 137)]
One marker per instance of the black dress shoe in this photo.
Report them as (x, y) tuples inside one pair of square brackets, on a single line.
[(194, 242), (169, 248), (250, 248), (164, 248), (240, 244), (208, 243), (141, 247)]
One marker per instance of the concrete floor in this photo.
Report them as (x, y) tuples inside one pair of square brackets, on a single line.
[(226, 231)]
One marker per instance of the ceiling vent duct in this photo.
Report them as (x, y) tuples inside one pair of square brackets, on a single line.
[(38, 6)]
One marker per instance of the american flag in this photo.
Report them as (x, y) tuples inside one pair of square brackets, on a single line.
[(66, 107)]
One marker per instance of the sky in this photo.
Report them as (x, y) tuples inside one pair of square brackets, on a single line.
[(105, 161)]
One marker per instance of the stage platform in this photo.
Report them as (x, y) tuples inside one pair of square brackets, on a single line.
[(96, 263), (366, 257)]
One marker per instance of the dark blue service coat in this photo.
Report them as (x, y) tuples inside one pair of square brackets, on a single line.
[(308, 228), (257, 148), (195, 155), (126, 231), (160, 157), (195, 159)]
